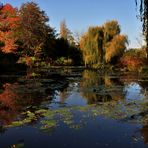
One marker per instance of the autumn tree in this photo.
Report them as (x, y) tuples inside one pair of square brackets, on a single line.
[(111, 29), (8, 23), (66, 46), (115, 48), (91, 44), (33, 29), (133, 59), (114, 43), (64, 31), (144, 18), (102, 44)]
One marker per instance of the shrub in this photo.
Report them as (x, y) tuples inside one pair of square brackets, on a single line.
[(133, 63)]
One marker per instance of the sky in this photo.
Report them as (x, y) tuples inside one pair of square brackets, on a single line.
[(80, 14)]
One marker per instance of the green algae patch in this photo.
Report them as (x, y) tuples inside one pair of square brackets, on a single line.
[(78, 116), (28, 118)]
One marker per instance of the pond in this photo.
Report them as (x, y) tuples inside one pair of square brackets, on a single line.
[(73, 107)]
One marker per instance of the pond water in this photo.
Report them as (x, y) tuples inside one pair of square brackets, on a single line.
[(73, 107)]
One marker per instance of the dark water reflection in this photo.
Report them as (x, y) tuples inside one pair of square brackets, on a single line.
[(96, 88), (144, 132), (62, 88)]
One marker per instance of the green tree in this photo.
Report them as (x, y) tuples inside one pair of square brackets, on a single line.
[(103, 44), (49, 48), (91, 44), (33, 29), (66, 45)]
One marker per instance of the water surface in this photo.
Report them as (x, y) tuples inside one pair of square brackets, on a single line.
[(73, 107)]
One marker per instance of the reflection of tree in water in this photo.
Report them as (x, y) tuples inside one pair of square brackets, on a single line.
[(144, 133), (114, 87), (88, 85), (63, 95), (144, 84), (12, 100), (138, 80), (8, 103), (26, 93), (97, 88)]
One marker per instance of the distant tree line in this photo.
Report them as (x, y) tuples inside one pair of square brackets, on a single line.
[(26, 34)]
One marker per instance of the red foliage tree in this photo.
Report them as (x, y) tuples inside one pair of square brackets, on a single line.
[(133, 63), (8, 23), (9, 107)]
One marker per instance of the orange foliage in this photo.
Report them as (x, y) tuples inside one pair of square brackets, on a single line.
[(8, 23), (29, 61), (9, 108), (116, 47), (133, 63), (8, 97)]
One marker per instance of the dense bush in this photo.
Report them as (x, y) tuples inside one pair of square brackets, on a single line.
[(133, 59)]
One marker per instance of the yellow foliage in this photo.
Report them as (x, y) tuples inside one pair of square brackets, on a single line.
[(102, 43), (116, 47), (91, 45)]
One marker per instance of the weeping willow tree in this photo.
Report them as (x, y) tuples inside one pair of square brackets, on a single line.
[(91, 45), (114, 43), (101, 44), (111, 29), (115, 48), (144, 18)]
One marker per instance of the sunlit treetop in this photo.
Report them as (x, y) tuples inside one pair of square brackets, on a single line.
[(8, 23)]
